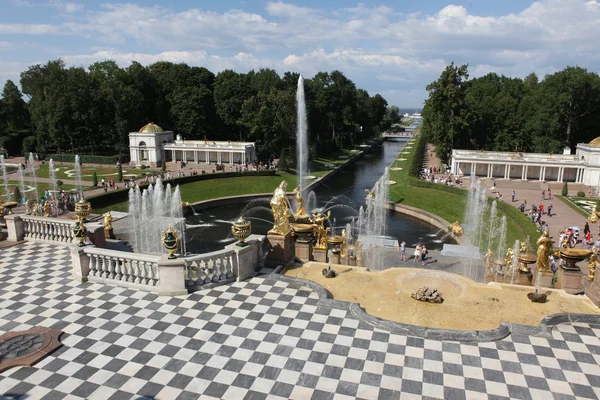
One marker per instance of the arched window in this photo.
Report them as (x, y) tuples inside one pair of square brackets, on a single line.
[(143, 151)]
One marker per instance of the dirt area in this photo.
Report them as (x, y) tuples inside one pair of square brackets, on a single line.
[(467, 305)]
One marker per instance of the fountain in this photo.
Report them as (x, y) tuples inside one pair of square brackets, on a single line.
[(5, 180), (152, 211), (22, 188), (301, 136), (52, 171), (79, 186), (32, 170)]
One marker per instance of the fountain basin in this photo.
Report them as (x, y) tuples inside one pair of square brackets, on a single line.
[(396, 169), (310, 177), (335, 240), (389, 182), (467, 305), (573, 256), (304, 232), (400, 159)]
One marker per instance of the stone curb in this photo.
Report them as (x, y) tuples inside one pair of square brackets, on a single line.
[(468, 336)]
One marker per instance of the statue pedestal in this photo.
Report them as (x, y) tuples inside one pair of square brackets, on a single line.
[(569, 279), (352, 261), (336, 258), (281, 249), (525, 278), (109, 234), (320, 255), (546, 279), (304, 251)]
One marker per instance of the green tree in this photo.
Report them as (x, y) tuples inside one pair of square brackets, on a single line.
[(17, 196), (95, 179), (565, 189), (119, 173)]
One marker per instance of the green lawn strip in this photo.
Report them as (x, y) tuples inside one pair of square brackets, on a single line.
[(42, 186), (571, 204), (87, 172), (449, 202)]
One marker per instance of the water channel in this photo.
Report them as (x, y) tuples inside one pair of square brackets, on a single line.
[(209, 229)]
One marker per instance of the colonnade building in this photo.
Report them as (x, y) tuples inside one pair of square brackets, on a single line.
[(581, 167), (152, 145)]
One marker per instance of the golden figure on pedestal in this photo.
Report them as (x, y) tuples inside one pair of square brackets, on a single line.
[(593, 218), (108, 221), (489, 263), (508, 258), (370, 195), (279, 205), (456, 229), (47, 208), (543, 252), (592, 266), (300, 213), (319, 220)]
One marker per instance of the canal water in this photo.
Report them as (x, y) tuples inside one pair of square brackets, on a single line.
[(209, 229)]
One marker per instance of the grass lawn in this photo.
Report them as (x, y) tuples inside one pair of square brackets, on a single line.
[(42, 187), (225, 187), (450, 205), (582, 205), (67, 172)]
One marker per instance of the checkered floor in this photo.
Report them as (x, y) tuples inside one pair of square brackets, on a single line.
[(259, 339)]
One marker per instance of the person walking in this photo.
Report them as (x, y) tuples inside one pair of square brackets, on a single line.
[(549, 194), (550, 209), (403, 251), (417, 253), (423, 254), (586, 228), (513, 196), (543, 194)]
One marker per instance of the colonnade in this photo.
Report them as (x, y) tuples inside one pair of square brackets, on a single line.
[(541, 172)]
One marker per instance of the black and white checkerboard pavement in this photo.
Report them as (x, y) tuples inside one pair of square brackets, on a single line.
[(259, 339)]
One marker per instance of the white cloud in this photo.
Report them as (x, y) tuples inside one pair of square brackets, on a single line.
[(376, 46), (6, 45)]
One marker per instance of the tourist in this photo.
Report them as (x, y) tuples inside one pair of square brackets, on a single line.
[(552, 264), (597, 244), (543, 194), (403, 251), (549, 212), (102, 182), (497, 195), (549, 194), (417, 253), (423, 254), (586, 228), (541, 208), (513, 196)]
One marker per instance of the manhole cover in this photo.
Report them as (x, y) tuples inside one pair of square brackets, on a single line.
[(20, 346), (27, 347)]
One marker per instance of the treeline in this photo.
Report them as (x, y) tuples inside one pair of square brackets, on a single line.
[(499, 113), (92, 111)]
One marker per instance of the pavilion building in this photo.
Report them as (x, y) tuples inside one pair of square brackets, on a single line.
[(152, 145), (582, 167)]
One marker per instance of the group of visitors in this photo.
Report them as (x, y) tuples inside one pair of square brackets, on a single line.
[(419, 255), (428, 175)]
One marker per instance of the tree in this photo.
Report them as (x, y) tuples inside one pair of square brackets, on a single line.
[(119, 173), (17, 195), (565, 189), (444, 114), (95, 179)]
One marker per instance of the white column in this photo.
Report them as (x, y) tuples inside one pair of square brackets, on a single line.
[(522, 172), (196, 156), (184, 156), (526, 170), (543, 174), (579, 175), (231, 157), (173, 155), (243, 157), (489, 171), (560, 174), (219, 157), (207, 160), (457, 170), (508, 171)]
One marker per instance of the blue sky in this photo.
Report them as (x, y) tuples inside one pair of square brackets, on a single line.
[(392, 48)]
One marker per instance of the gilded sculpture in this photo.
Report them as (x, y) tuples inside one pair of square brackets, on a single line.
[(456, 229), (593, 218), (508, 258), (343, 245), (108, 221), (47, 208), (319, 220), (543, 252), (279, 205), (592, 266), (300, 213), (489, 263), (370, 194)]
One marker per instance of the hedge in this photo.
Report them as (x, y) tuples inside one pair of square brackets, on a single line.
[(116, 196), (87, 158), (418, 156)]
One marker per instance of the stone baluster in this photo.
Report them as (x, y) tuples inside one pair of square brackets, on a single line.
[(94, 265), (203, 273)]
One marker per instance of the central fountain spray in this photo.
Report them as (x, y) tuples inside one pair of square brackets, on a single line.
[(301, 136), (32, 170)]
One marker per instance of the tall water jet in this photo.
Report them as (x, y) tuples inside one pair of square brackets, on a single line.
[(52, 175), (501, 238), (78, 176), (5, 178), (493, 225), (301, 135), (21, 173), (474, 212), (515, 261), (32, 170)]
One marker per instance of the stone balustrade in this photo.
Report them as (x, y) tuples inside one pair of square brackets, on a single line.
[(120, 268), (208, 268), (47, 229)]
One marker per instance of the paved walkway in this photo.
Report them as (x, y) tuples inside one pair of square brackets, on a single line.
[(260, 339)]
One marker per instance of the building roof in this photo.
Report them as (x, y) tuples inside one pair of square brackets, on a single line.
[(151, 128), (595, 142)]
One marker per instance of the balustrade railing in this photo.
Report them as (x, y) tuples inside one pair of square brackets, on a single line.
[(207, 268), (123, 269), (48, 229)]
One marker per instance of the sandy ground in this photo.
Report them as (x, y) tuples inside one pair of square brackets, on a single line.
[(467, 304)]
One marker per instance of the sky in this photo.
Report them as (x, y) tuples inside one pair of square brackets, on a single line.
[(395, 48)]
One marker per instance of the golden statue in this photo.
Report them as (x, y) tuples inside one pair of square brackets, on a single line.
[(489, 263), (279, 205), (343, 245), (107, 221), (47, 208), (508, 258), (593, 218), (523, 247), (35, 209), (300, 213), (319, 220), (592, 266), (543, 252), (456, 229), (370, 194)]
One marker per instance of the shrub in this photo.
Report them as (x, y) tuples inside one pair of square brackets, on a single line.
[(164, 165), (17, 195), (95, 179), (284, 163), (120, 173), (565, 189), (580, 194), (143, 166), (59, 183)]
